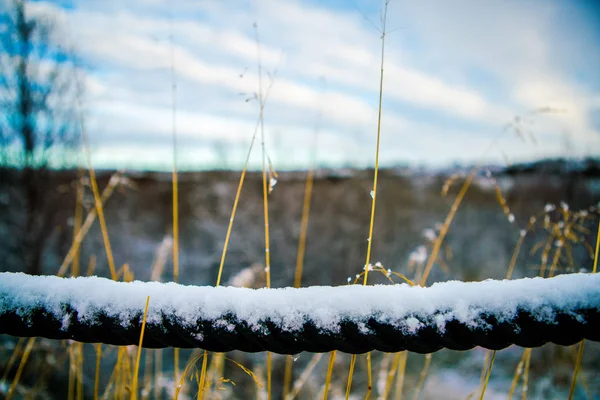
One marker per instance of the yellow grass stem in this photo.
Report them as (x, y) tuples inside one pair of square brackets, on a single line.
[(517, 375), (175, 247), (265, 193), (374, 197), (330, 366), (139, 353), (158, 359), (202, 383), (390, 376), (287, 376), (175, 241), (236, 201), (487, 375), (174, 182), (385, 367), (555, 260), (78, 216), (259, 123), (121, 374), (513, 259), (15, 382), (112, 380), (16, 352), (97, 374), (80, 363), (233, 212), (75, 380), (376, 174), (117, 374), (190, 364), (269, 374), (89, 220), (97, 198), (422, 377), (582, 377), (304, 376), (446, 226), (265, 197), (369, 377), (401, 373), (71, 380), (577, 368), (486, 361), (581, 345), (174, 179), (195, 359), (91, 266), (350, 374), (545, 253), (310, 177), (240, 186), (595, 269), (101, 219), (215, 371), (176, 363), (247, 371), (526, 374)]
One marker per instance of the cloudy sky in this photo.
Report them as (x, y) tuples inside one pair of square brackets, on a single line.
[(457, 73)]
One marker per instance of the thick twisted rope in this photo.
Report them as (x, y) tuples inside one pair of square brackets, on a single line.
[(352, 319)]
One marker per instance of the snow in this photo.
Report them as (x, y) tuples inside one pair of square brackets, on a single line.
[(419, 255), (403, 306)]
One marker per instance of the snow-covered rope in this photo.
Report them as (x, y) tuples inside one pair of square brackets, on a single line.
[(352, 319)]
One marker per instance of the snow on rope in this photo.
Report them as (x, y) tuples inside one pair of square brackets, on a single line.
[(353, 319)]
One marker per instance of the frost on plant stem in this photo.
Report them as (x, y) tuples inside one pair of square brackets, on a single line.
[(430, 235), (272, 183), (523, 232), (549, 207), (418, 255)]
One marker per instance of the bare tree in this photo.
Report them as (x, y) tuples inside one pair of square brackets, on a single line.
[(38, 93)]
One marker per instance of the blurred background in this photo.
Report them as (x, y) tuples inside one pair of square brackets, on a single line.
[(506, 91)]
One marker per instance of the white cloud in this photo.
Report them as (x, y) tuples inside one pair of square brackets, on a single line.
[(454, 74)]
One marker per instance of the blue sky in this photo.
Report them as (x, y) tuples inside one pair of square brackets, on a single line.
[(455, 74)]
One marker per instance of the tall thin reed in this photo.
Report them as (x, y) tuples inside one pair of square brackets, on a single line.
[(308, 187), (15, 382), (175, 187), (265, 192), (374, 199), (139, 353), (580, 351), (487, 375)]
